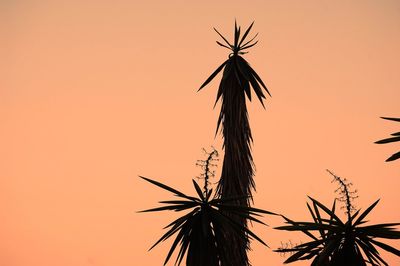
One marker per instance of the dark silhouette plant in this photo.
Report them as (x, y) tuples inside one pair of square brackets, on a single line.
[(200, 232), (237, 170), (340, 243), (395, 138), (214, 230)]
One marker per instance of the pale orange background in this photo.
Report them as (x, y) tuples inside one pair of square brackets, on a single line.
[(94, 93)]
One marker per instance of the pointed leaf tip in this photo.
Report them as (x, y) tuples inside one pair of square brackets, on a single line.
[(246, 33), (230, 45), (213, 75)]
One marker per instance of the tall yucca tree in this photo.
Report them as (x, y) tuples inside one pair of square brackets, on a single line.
[(237, 171)]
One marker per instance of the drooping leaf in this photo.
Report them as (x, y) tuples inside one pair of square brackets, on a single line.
[(257, 90), (386, 247), (213, 75), (183, 233), (176, 226), (259, 79)]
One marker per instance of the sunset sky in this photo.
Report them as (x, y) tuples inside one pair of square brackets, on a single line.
[(95, 93)]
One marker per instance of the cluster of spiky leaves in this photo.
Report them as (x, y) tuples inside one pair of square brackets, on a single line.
[(200, 232), (237, 170), (340, 243), (237, 72), (395, 138)]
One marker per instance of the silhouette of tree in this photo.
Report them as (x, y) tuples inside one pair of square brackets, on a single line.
[(340, 243), (200, 232), (395, 138), (237, 171), (214, 229)]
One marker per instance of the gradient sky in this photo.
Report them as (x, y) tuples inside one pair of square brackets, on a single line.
[(95, 93)]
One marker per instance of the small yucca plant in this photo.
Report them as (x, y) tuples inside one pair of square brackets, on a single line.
[(340, 243), (199, 233), (395, 138)]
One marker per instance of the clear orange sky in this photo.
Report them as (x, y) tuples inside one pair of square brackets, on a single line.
[(94, 93)]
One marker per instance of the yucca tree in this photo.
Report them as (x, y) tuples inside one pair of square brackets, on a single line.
[(395, 138), (340, 243), (200, 231), (237, 170)]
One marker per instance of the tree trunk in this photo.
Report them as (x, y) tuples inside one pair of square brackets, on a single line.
[(237, 170)]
